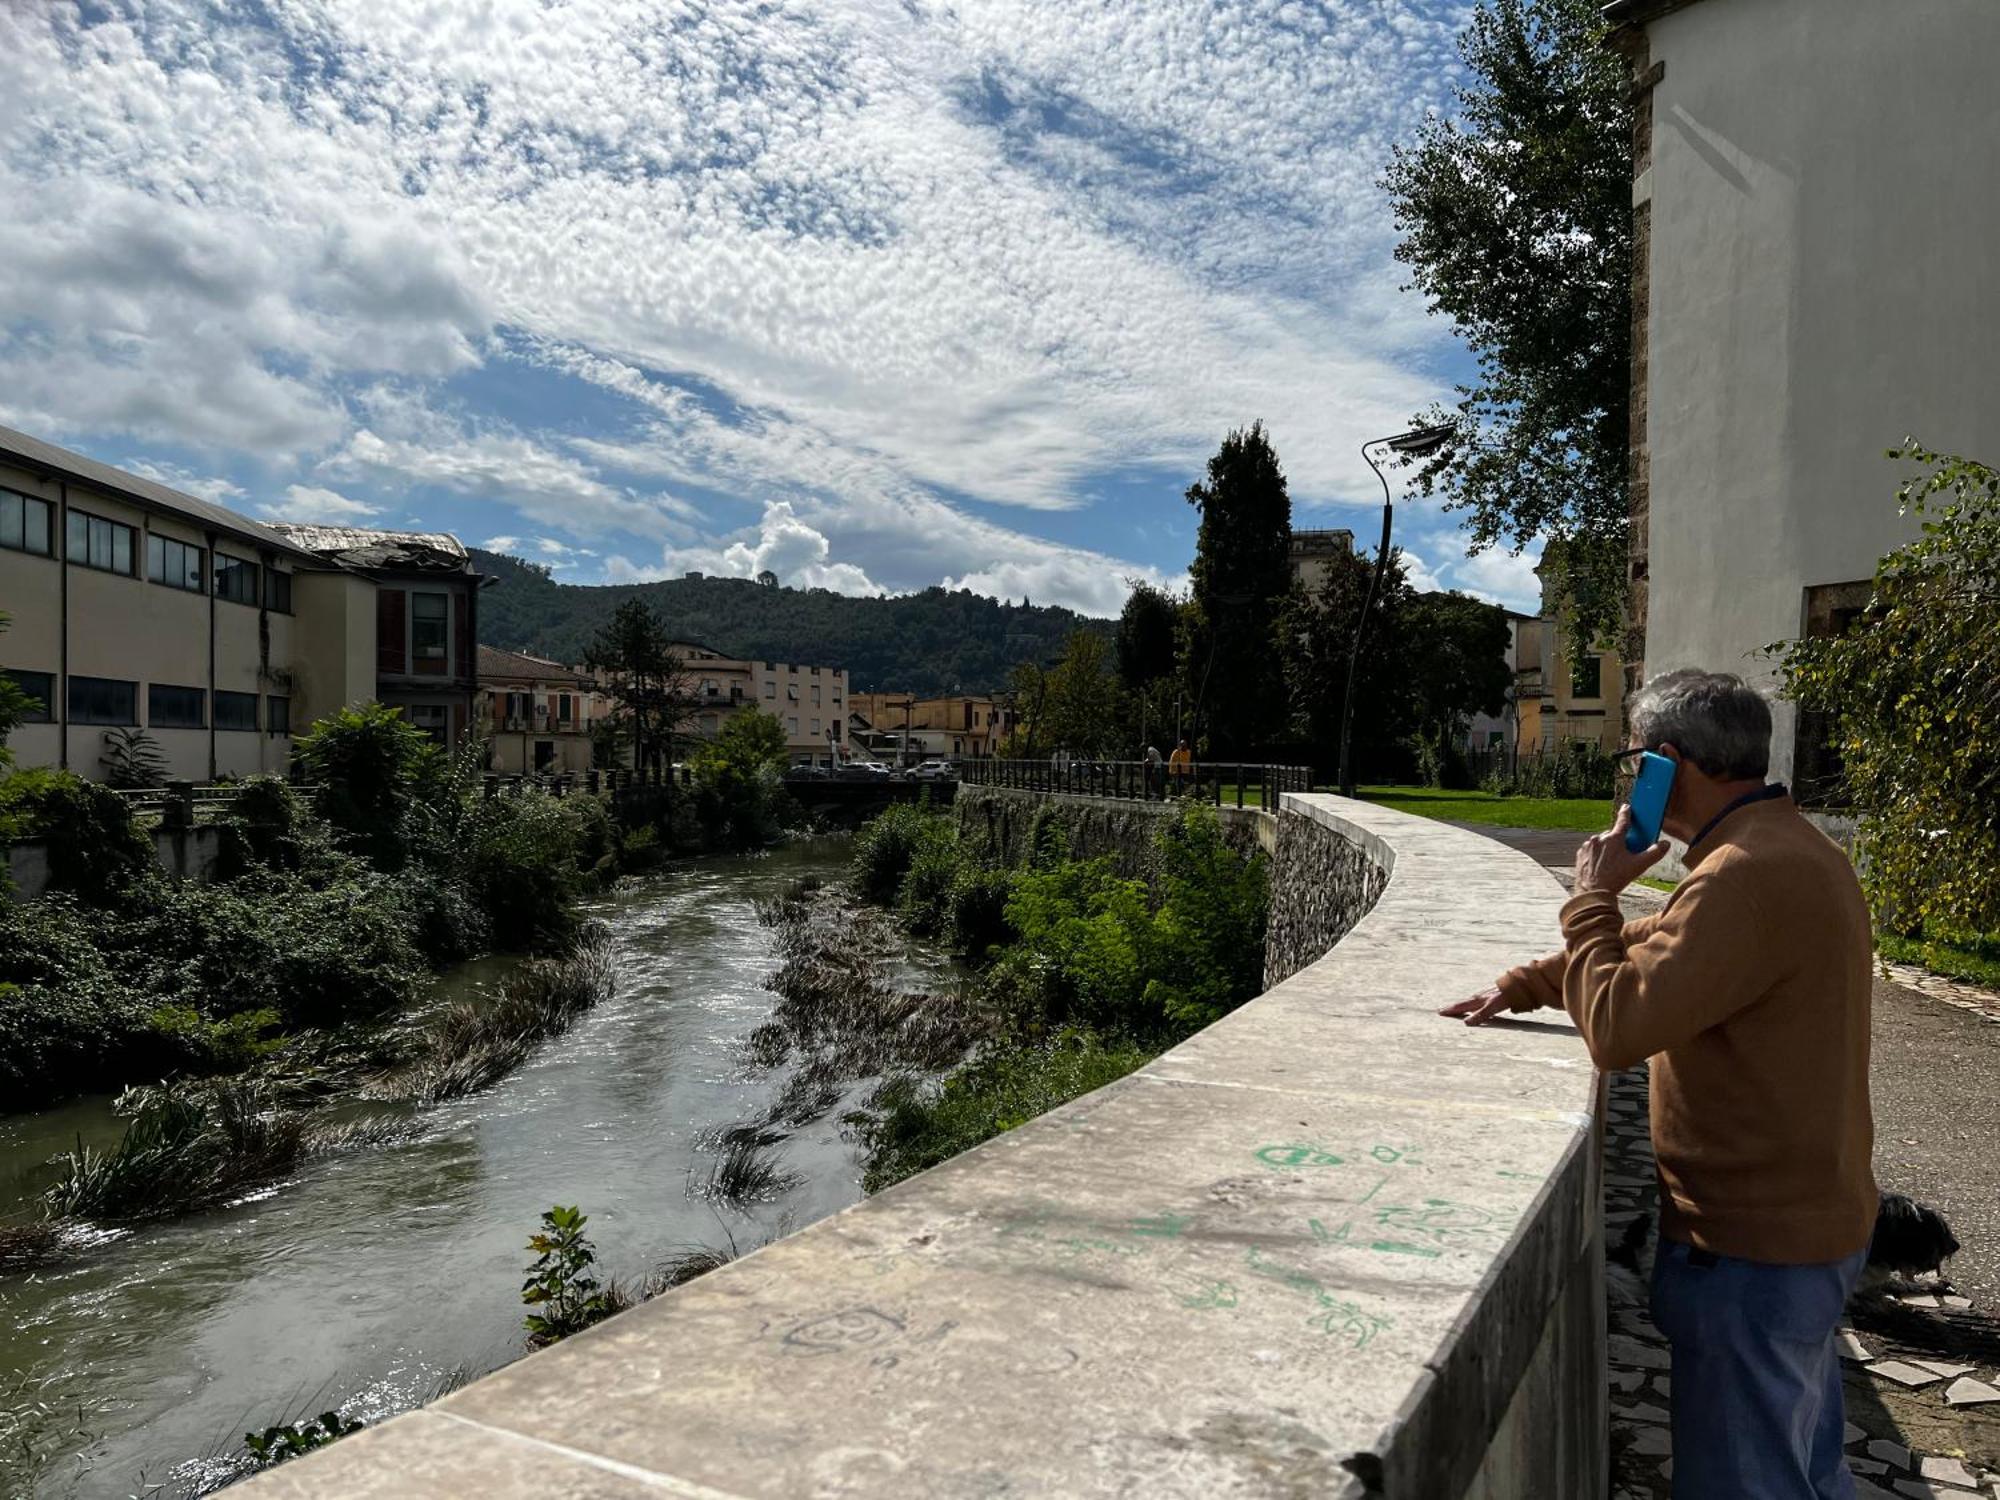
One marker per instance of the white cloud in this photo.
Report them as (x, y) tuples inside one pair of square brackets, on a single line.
[(312, 504), (1501, 577), (866, 261), (502, 544), (781, 544)]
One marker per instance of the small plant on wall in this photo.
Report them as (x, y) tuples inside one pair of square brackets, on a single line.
[(132, 758), (560, 1283)]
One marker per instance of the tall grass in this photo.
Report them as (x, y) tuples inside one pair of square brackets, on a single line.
[(473, 1045)]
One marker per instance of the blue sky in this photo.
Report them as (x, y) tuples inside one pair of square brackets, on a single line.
[(875, 293)]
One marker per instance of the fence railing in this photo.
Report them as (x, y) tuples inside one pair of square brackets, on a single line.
[(1238, 783), (181, 804)]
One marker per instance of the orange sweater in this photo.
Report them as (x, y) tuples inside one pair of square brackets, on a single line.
[(1750, 992)]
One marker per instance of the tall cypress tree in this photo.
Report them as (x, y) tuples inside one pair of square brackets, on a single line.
[(1232, 672)]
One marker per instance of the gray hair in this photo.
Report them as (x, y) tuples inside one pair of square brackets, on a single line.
[(1715, 719)]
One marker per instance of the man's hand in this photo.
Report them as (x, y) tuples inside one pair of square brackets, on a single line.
[(1605, 864), (1480, 1008)]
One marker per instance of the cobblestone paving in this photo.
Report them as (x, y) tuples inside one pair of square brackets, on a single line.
[(1922, 1370), (1951, 991)]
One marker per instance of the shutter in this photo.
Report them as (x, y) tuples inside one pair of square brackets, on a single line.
[(461, 630), (391, 633)]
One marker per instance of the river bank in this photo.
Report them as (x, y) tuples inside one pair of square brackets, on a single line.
[(372, 1278)]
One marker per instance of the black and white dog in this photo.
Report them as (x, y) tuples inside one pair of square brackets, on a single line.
[(1910, 1239)]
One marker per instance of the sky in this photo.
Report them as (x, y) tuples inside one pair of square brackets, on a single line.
[(876, 294)]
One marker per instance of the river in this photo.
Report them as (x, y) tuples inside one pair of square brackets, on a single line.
[(370, 1278)]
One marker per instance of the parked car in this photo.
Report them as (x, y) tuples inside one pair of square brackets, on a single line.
[(934, 770)]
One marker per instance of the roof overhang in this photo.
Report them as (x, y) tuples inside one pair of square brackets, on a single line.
[(1642, 12)]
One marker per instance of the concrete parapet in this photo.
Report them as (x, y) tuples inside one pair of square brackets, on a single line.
[(1330, 1247)]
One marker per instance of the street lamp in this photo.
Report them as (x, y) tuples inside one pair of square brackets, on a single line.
[(1420, 442)]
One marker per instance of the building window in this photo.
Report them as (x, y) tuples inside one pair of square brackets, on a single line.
[(792, 692), (235, 710), (833, 730), (815, 728), (278, 712), (545, 755), (176, 707), (770, 687), (235, 579), (278, 591), (815, 695), (103, 700), (178, 565), (815, 671), (1586, 678), (41, 690), (792, 728), (564, 708), (94, 542), (430, 631), (26, 524)]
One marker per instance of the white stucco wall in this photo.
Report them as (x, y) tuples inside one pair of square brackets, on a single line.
[(1823, 233)]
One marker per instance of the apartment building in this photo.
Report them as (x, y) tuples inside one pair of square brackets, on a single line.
[(809, 701), (538, 714), (1313, 554), (958, 726), (137, 607)]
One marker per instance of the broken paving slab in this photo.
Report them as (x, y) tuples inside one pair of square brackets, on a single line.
[(1849, 1346), (1903, 1374), (1969, 1392)]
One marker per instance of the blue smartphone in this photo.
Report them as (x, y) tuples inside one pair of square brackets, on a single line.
[(1649, 801)]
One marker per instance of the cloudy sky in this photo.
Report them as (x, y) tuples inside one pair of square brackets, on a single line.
[(874, 293)]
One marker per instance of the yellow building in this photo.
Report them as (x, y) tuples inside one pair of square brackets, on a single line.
[(953, 727), (137, 607), (537, 714), (809, 701)]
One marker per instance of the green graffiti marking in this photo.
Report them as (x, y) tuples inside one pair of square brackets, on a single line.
[(1441, 1221), (1390, 1155), (1344, 1236), (1298, 1155), (1161, 1226), (1349, 1321), (1213, 1295)]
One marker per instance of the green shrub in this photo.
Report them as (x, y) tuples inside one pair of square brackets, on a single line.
[(367, 764), (919, 1125), (884, 848), (1208, 934), (1094, 932), (976, 910), (523, 867), (1577, 769), (927, 883), (226, 1046), (94, 850), (560, 1281)]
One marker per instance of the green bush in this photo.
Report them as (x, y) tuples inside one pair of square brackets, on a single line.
[(919, 1125), (927, 883), (1208, 934), (368, 763), (976, 910), (94, 851), (884, 848), (1909, 694), (1094, 932), (525, 866), (1576, 769)]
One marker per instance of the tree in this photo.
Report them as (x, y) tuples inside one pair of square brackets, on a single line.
[(367, 765), (1146, 633), (1516, 222), (646, 679), (1913, 694), (737, 780), (1457, 656), (1239, 582), (15, 706), (1073, 705), (1318, 630)]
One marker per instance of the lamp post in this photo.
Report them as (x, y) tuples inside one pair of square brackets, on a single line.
[(1420, 442)]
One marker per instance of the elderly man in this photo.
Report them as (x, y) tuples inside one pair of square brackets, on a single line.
[(1749, 992)]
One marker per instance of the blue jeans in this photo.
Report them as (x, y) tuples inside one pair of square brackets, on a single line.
[(1757, 1409)]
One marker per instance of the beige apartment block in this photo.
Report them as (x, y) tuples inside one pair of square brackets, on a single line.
[(137, 607), (538, 714), (956, 726), (809, 701)]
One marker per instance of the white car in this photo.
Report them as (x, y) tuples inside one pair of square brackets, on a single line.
[(933, 770)]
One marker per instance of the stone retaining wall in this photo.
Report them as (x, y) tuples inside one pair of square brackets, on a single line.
[(1004, 820), (187, 852), (1331, 1247)]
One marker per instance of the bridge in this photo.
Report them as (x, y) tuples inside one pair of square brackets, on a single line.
[(1329, 1247)]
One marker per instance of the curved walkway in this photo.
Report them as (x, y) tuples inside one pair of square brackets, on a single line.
[(1328, 1248)]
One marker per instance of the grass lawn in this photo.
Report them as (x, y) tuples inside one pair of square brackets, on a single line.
[(1978, 963), (1584, 814)]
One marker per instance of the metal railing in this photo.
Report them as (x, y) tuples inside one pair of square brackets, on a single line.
[(1221, 783), (182, 804)]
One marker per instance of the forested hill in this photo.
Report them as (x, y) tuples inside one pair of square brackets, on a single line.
[(932, 642)]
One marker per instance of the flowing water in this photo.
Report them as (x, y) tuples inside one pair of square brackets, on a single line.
[(371, 1278)]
